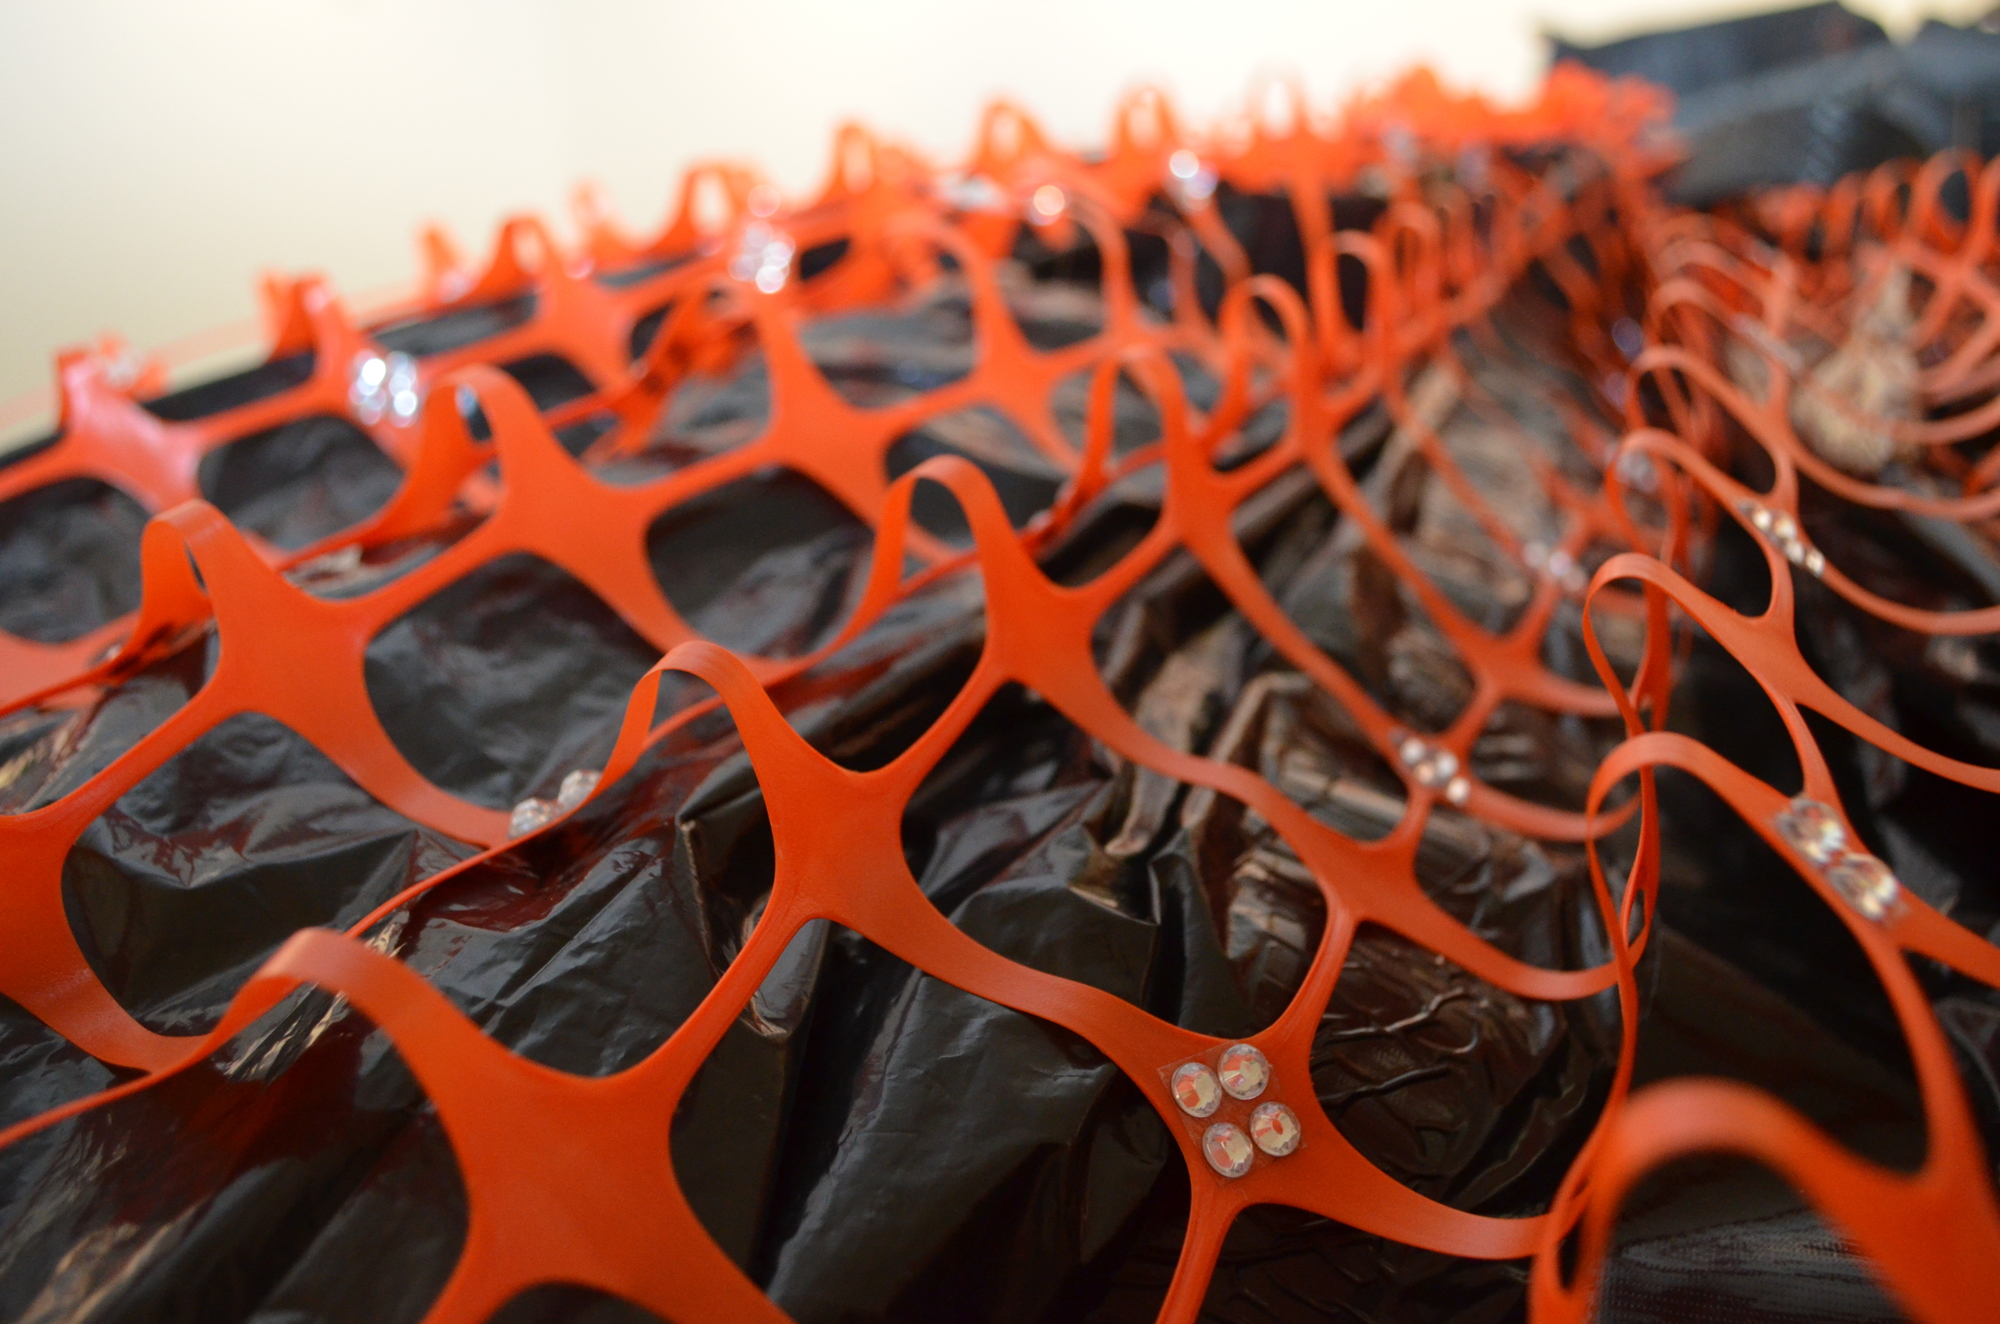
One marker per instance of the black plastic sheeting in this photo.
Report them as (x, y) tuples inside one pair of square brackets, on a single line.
[(69, 559), (300, 481), (1808, 95)]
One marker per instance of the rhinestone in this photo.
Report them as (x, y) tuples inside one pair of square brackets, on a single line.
[(1048, 202), (1227, 1149), (1637, 471), (402, 372), (1244, 1071), (1784, 528), (122, 373), (1200, 186), (1195, 1090), (529, 815), (1412, 751), (1625, 334), (1867, 884), (1458, 790), (1184, 164), (1815, 562), (1795, 552), (339, 561), (1761, 518), (576, 787), (1446, 765), (1813, 830), (770, 279), (763, 200), (973, 193), (1275, 1128), (370, 371)]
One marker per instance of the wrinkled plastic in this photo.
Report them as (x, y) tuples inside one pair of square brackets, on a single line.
[(1811, 94), (867, 1141)]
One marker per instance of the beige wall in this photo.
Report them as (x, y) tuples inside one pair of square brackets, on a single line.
[(157, 155)]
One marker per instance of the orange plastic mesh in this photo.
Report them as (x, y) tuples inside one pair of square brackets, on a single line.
[(595, 1200)]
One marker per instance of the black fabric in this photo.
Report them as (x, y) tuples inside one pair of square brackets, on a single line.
[(69, 559), (300, 481), (267, 379), (1808, 95)]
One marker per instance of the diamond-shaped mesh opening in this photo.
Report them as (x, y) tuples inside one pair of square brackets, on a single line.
[(53, 751), (550, 379), (69, 559), (1135, 421), (301, 481), (1724, 1237), (627, 912), (1281, 1265), (488, 710), (1540, 756), (273, 377), (178, 892), (1438, 1077), (875, 1204), (879, 357), (1749, 1005), (1062, 307), (1032, 838), (714, 411), (1026, 479), (440, 333), (312, 1124), (770, 564)]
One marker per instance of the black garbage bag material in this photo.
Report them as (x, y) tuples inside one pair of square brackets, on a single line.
[(1692, 59), (1808, 95), (182, 888), (300, 481), (69, 559)]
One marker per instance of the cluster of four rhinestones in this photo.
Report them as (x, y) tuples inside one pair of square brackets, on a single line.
[(1242, 1073)]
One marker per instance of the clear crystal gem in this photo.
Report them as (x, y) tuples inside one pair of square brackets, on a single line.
[(1760, 517), (1275, 1128), (1813, 830), (378, 385), (1458, 790), (1227, 1149), (1445, 765), (530, 815), (1784, 528), (1244, 1071), (576, 787), (1412, 751), (1867, 884), (1196, 1090), (1815, 561)]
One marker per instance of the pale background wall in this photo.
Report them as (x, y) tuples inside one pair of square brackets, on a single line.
[(154, 156)]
